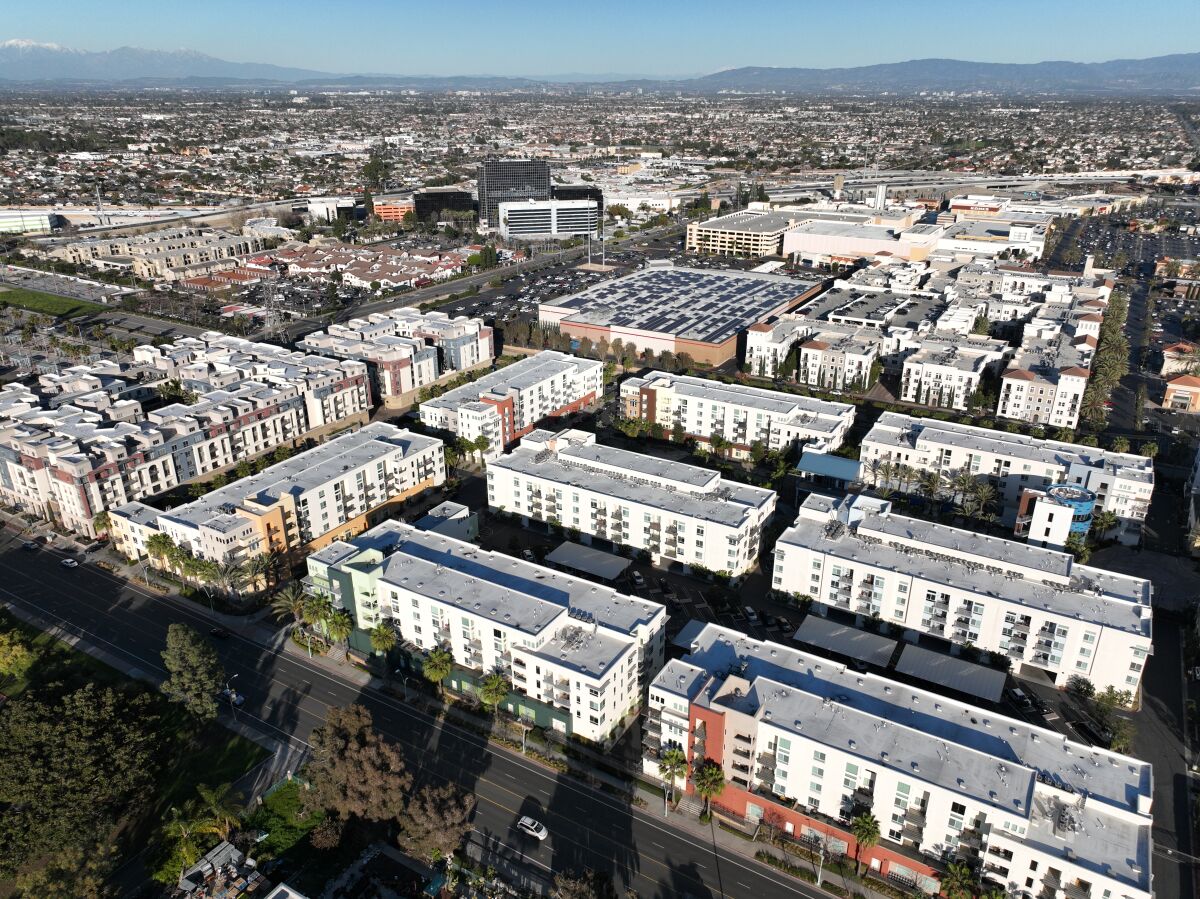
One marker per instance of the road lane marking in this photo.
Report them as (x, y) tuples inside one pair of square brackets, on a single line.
[(449, 729)]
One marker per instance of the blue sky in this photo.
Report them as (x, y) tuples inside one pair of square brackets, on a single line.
[(537, 37)]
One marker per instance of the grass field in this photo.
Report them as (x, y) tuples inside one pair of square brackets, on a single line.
[(46, 303)]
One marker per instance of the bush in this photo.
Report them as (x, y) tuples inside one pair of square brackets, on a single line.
[(775, 861)]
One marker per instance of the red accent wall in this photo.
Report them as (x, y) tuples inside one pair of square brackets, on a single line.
[(734, 799)]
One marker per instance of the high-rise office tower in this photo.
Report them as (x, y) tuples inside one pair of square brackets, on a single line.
[(508, 181)]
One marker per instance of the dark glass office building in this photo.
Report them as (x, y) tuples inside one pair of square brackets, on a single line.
[(430, 203), (510, 181), (577, 192)]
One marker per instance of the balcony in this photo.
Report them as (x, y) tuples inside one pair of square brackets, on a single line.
[(742, 754), (766, 761)]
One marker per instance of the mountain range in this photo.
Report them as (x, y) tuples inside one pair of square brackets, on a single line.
[(31, 63)]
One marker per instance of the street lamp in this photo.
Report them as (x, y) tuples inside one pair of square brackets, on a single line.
[(821, 862), (404, 683)]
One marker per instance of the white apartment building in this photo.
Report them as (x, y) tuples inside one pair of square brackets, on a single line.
[(507, 403), (806, 744), (677, 513), (1122, 482), (583, 651), (83, 445), (945, 372), (1047, 613), (332, 491), (528, 219), (743, 415)]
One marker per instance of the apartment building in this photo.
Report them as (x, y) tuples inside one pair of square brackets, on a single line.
[(405, 350), (945, 372), (807, 744), (578, 655), (677, 513), (1050, 615), (506, 404), (1122, 482), (1046, 379), (297, 506), (700, 409), (168, 254), (83, 444)]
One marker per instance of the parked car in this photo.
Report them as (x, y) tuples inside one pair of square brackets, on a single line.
[(29, 544), (639, 582), (528, 556), (1020, 699), (665, 586), (233, 697), (751, 615), (69, 563), (533, 828), (219, 632)]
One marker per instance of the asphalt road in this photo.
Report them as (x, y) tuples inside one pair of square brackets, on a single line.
[(287, 697)]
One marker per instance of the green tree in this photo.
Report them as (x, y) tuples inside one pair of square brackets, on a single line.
[(493, 689), (194, 674), (708, 779), (958, 882), (672, 765), (1103, 523), (1119, 444), (437, 665), (383, 638), (222, 808), (161, 547), (354, 772), (101, 522), (584, 886), (15, 655), (290, 603), (435, 822), (71, 766), (339, 626), (1077, 546), (80, 872), (865, 828), (1149, 449)]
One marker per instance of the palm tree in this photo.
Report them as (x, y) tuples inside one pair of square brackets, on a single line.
[(256, 568), (961, 483), (276, 563), (865, 828), (317, 609), (985, 495), (958, 882), (672, 764), (339, 626), (101, 522), (183, 827), (222, 806), (230, 576), (709, 780), (290, 602), (437, 666), (493, 689), (383, 638), (161, 546), (930, 485)]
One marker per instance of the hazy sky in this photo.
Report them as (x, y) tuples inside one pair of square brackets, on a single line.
[(536, 37)]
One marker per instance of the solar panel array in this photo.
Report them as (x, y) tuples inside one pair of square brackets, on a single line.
[(706, 306)]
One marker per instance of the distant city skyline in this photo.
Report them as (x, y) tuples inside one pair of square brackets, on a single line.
[(537, 38)]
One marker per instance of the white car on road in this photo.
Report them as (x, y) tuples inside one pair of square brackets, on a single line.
[(534, 828)]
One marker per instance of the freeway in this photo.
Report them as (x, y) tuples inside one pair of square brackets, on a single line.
[(287, 697)]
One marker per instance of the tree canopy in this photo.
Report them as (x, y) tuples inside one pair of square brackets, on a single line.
[(194, 672), (354, 772), (70, 767)]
